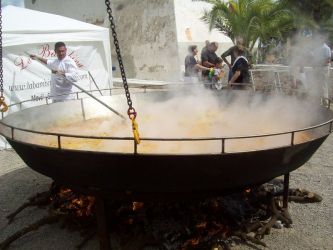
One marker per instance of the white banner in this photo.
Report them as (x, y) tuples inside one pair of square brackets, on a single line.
[(27, 32), (26, 79)]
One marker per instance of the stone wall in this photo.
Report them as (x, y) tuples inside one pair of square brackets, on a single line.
[(147, 31)]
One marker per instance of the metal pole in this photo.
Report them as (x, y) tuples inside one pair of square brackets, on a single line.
[(285, 190), (103, 232), (94, 82), (96, 99)]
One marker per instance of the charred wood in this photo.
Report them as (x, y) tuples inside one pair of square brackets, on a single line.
[(86, 238), (216, 222), (40, 199), (32, 227), (246, 237)]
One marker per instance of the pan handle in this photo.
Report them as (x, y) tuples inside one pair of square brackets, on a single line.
[(98, 100)]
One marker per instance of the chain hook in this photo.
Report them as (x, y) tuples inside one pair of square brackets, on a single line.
[(132, 115), (3, 105), (131, 111)]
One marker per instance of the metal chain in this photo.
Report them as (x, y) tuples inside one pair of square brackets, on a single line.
[(131, 111), (1, 70), (3, 105)]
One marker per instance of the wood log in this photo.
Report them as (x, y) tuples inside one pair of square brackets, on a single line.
[(32, 227), (40, 199)]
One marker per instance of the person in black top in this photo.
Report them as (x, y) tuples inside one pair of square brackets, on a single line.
[(204, 49), (192, 66), (230, 52), (209, 58), (240, 70)]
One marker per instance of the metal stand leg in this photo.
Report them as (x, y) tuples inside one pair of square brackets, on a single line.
[(277, 81), (252, 80), (285, 190), (103, 232)]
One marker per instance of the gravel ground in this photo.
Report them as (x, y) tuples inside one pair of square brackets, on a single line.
[(312, 223)]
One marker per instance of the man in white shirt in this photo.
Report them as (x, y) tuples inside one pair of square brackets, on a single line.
[(64, 72)]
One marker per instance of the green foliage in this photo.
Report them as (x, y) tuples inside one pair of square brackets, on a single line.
[(252, 20), (312, 15), (310, 11)]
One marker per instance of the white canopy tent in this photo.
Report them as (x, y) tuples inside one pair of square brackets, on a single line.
[(32, 32), (26, 31)]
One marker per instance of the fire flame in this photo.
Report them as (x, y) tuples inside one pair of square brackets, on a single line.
[(68, 201)]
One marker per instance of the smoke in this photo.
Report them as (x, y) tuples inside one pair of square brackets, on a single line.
[(234, 113), (228, 114), (191, 112), (309, 64)]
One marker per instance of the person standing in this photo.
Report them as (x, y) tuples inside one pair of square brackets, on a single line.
[(240, 70), (63, 73), (300, 56), (230, 52), (209, 59), (204, 49), (192, 66), (321, 65)]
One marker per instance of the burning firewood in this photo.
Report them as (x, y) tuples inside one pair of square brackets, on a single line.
[(64, 205), (212, 223)]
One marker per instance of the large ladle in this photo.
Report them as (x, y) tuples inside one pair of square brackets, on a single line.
[(98, 100), (92, 96)]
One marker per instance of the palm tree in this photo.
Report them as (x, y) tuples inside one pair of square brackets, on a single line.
[(253, 20)]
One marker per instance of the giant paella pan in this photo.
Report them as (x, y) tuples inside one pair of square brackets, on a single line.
[(190, 143), (214, 142)]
